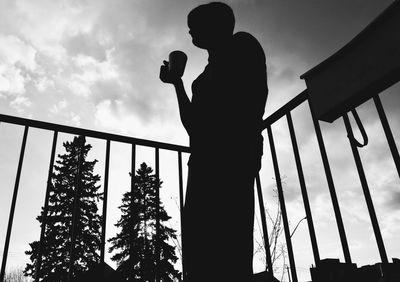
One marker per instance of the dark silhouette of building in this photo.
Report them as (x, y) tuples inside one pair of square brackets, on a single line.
[(332, 270), (393, 270), (370, 273), (102, 272), (380, 272)]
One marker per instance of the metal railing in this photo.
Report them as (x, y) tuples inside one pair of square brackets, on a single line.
[(283, 112), (108, 138)]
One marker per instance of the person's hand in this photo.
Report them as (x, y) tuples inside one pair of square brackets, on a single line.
[(167, 76)]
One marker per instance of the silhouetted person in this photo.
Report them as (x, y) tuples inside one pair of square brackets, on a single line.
[(223, 121)]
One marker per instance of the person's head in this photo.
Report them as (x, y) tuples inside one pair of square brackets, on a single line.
[(211, 23)]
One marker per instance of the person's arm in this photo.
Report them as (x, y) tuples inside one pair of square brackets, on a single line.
[(183, 101), (184, 105)]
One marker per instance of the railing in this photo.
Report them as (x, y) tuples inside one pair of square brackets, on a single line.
[(108, 138), (283, 112)]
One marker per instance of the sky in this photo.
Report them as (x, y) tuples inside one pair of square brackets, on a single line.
[(94, 64)]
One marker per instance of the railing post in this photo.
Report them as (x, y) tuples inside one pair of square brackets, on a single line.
[(283, 206), (105, 197), (13, 203), (132, 233), (264, 226), (303, 189), (388, 132), (367, 195), (181, 203), (75, 214), (46, 207), (331, 186), (158, 243)]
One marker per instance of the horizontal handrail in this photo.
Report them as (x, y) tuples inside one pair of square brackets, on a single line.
[(302, 97), (92, 133)]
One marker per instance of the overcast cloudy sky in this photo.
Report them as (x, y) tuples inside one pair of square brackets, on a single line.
[(94, 64)]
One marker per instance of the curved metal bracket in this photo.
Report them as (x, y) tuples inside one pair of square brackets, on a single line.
[(364, 135)]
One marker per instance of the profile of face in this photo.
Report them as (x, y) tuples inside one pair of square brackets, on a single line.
[(210, 24), (202, 36)]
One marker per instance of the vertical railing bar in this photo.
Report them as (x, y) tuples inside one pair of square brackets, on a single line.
[(157, 157), (367, 195), (331, 186), (181, 203), (132, 233), (388, 132), (282, 203), (105, 198), (13, 203), (303, 189), (46, 207), (75, 214), (264, 226)]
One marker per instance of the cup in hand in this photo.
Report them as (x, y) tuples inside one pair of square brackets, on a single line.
[(177, 62)]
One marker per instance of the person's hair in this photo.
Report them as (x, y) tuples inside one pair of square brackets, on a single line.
[(215, 15)]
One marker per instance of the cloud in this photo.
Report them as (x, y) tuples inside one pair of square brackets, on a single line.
[(46, 23), (94, 50), (75, 119), (55, 109), (20, 103), (42, 83), (86, 44), (106, 117), (390, 226), (393, 201), (115, 116), (90, 71), (12, 82), (17, 60), (13, 51)]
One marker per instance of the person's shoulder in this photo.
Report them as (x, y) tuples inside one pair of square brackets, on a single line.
[(243, 38), (245, 42)]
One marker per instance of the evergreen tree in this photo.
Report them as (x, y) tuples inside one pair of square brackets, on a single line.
[(138, 223), (56, 246)]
